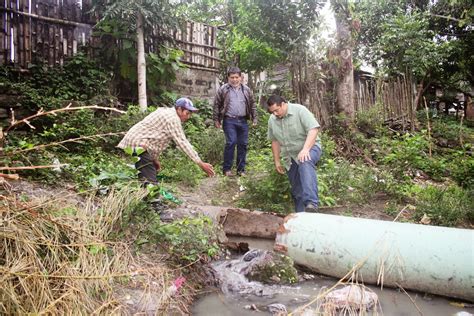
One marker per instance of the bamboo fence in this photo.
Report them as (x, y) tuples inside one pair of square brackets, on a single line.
[(48, 31), (394, 96)]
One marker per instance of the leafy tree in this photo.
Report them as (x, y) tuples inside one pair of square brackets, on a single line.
[(429, 40), (453, 20), (138, 16), (257, 34)]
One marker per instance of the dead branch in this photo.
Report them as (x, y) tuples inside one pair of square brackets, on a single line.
[(412, 300), (33, 167), (450, 18), (429, 127), (41, 112), (401, 212), (461, 142), (72, 140), (10, 176), (348, 149)]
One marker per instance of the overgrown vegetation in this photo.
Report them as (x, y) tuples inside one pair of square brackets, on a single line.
[(62, 258), (401, 158)]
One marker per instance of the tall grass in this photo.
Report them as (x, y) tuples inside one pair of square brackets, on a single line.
[(57, 258)]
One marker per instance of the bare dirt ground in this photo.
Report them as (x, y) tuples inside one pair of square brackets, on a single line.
[(217, 191)]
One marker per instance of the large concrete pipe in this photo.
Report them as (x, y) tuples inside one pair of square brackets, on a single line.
[(438, 260)]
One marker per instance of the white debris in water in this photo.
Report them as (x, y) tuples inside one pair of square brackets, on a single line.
[(277, 309), (352, 297)]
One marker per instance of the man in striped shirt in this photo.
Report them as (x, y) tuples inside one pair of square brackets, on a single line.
[(155, 132)]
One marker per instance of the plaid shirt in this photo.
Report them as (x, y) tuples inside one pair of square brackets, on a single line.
[(156, 131)]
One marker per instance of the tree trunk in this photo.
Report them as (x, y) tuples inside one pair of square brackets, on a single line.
[(250, 81), (345, 84), (141, 65)]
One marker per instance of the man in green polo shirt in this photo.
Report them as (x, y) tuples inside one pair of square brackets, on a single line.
[(293, 130)]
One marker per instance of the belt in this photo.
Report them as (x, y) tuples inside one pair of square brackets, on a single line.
[(235, 117)]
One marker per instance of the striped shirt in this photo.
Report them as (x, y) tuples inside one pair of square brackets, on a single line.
[(156, 131)]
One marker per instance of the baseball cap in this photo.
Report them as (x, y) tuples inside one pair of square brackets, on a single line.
[(186, 104)]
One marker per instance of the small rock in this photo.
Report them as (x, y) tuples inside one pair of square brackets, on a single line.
[(252, 307), (426, 220), (277, 309), (307, 276), (252, 254)]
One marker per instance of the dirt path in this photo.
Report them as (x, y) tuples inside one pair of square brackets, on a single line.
[(217, 191), (225, 191)]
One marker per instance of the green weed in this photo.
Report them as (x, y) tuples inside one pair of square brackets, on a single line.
[(190, 239), (445, 206)]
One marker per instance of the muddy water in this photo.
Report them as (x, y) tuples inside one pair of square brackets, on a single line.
[(392, 302)]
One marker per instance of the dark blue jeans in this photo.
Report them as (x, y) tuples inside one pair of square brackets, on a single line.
[(304, 180), (236, 132)]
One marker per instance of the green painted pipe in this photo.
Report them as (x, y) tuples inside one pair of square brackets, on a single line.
[(438, 260)]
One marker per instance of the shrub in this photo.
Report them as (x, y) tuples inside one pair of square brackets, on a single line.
[(370, 121), (355, 183), (406, 154), (446, 206), (265, 188), (461, 166), (190, 239)]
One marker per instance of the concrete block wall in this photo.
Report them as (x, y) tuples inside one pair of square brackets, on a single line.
[(196, 84)]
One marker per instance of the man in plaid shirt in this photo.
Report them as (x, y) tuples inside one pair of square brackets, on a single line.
[(155, 132)]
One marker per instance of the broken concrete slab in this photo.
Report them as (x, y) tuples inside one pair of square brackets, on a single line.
[(235, 221)]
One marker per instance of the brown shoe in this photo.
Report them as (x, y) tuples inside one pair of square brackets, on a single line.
[(228, 173)]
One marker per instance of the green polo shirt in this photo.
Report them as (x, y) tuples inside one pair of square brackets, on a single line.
[(291, 131)]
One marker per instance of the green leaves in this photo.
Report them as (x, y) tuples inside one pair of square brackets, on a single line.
[(254, 54), (190, 239), (431, 40)]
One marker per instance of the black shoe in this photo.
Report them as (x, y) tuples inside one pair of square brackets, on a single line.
[(157, 205), (311, 208)]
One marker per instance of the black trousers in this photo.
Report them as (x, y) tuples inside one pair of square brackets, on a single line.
[(146, 168)]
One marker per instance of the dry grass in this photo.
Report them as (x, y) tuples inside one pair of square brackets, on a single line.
[(60, 260)]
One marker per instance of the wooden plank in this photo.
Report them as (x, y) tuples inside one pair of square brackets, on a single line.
[(70, 47), (27, 34), (204, 55), (62, 46), (20, 36), (34, 32), (215, 50), (195, 44), (41, 16), (55, 30), (15, 34), (2, 38), (189, 38), (210, 50), (11, 37), (7, 35), (42, 53), (200, 41)]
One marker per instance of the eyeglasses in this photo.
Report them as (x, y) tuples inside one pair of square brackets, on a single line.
[(278, 108)]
